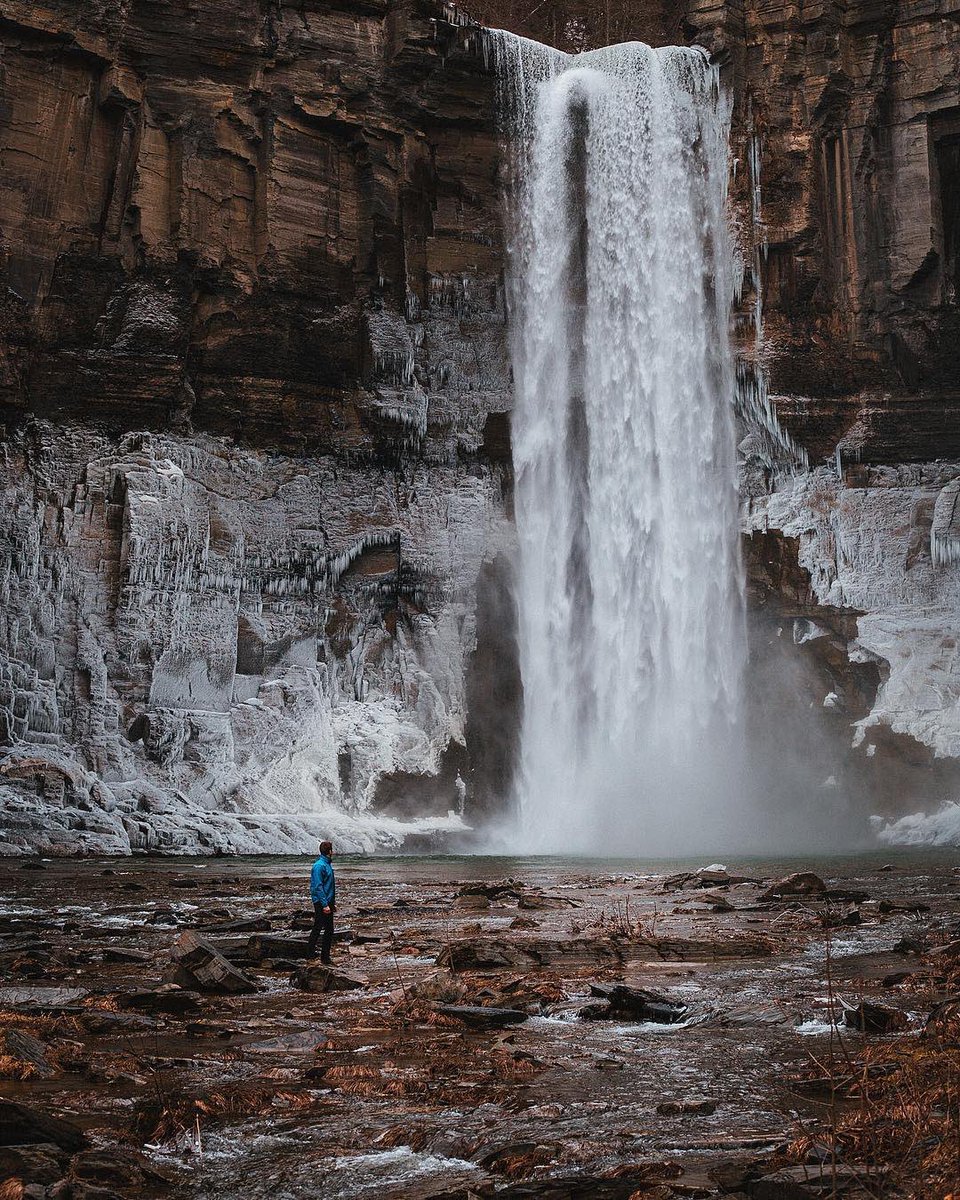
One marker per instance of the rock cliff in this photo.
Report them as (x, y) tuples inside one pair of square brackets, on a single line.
[(254, 551), (256, 449), (846, 134)]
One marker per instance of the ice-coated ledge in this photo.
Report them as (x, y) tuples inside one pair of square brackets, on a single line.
[(205, 648), (879, 549)]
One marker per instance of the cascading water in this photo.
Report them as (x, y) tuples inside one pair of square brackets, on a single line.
[(629, 594)]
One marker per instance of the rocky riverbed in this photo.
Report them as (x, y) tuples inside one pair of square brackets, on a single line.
[(491, 1026)]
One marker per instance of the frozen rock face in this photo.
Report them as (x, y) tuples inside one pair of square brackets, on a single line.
[(201, 648), (847, 194), (266, 240)]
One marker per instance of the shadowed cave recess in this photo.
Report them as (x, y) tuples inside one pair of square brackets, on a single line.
[(262, 547)]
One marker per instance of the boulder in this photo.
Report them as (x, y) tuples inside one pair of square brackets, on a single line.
[(23, 1126), (874, 1018), (800, 883), (318, 978), (115, 1170), (195, 963), (632, 1004), (41, 1163)]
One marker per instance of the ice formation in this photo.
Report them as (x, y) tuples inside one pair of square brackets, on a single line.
[(207, 648), (631, 620)]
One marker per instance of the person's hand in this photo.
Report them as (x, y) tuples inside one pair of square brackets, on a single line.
[(327, 909)]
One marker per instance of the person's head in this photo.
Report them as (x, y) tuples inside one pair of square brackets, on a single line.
[(326, 849)]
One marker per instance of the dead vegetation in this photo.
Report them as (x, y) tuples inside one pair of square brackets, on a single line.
[(892, 1106)]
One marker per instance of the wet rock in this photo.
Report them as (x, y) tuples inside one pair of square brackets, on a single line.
[(874, 1018), (479, 1017), (632, 1004), (262, 946), (506, 891), (440, 986), (705, 877), (20, 1125), (540, 901), (241, 925), (41, 999), (750, 1016), (116, 954), (196, 964), (113, 1168), (739, 945), (492, 953), (318, 978), (210, 1029), (524, 923), (41, 1163), (28, 1050), (800, 883), (944, 1020), (96, 1020), (472, 902), (804, 1181), (686, 1108), (169, 998)]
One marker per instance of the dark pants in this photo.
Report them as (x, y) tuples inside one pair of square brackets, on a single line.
[(322, 923)]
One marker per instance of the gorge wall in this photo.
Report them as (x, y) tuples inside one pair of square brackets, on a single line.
[(256, 539), (254, 387)]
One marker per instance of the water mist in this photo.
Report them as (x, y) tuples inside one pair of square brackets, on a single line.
[(629, 594)]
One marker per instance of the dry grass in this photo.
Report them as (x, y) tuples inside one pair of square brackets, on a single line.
[(185, 1113), (894, 1109)]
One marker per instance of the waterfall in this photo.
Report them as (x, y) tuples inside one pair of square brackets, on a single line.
[(629, 587)]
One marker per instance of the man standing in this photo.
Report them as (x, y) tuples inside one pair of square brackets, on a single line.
[(323, 893)]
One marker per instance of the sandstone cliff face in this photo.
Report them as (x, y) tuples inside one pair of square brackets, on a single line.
[(847, 193), (255, 389), (255, 392)]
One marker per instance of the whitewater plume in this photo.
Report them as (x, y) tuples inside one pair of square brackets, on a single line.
[(629, 596)]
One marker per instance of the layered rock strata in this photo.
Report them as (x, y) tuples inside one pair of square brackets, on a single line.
[(256, 446)]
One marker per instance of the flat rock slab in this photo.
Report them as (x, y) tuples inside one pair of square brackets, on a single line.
[(479, 1017), (262, 946), (492, 953), (741, 945), (325, 979), (46, 998)]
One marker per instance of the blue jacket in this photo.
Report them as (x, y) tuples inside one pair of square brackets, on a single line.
[(323, 885)]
